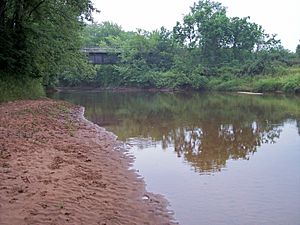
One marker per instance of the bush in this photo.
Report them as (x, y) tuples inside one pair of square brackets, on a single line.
[(228, 70), (107, 76), (172, 79), (288, 83), (228, 83), (149, 79), (292, 84), (199, 82), (268, 85)]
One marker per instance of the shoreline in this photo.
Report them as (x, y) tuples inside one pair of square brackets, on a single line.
[(166, 90), (118, 89), (56, 167)]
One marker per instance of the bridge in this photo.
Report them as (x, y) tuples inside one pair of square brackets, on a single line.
[(97, 55)]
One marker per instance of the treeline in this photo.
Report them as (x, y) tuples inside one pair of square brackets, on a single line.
[(39, 41), (206, 50)]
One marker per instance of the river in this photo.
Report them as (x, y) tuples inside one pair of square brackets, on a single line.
[(219, 159)]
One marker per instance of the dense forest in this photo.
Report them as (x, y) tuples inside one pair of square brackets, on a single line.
[(206, 50)]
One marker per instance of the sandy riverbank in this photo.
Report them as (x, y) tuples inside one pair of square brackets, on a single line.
[(58, 168)]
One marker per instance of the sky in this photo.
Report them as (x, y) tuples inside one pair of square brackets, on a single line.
[(275, 16)]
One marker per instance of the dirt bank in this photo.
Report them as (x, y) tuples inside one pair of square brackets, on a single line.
[(58, 168)]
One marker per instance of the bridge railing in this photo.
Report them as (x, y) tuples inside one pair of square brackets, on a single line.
[(97, 55), (100, 50)]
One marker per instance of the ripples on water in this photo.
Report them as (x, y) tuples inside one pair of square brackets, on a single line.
[(219, 159)]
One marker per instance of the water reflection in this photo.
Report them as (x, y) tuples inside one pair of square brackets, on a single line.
[(205, 129)]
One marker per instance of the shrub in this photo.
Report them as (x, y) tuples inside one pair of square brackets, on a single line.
[(228, 70), (230, 85), (172, 79), (268, 85), (199, 82), (288, 83), (292, 84)]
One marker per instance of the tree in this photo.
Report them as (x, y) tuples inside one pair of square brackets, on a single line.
[(205, 27), (143, 54), (100, 34), (244, 36), (298, 50), (219, 38), (40, 38)]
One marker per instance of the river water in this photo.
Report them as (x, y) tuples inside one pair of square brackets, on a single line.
[(219, 159)]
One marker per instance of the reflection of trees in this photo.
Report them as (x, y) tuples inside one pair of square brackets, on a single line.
[(206, 130), (209, 147)]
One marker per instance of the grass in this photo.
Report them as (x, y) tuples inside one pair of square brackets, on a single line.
[(288, 83), (14, 89), (227, 83)]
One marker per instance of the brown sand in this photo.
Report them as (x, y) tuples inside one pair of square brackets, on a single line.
[(58, 168)]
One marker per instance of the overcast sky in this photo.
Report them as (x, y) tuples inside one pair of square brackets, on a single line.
[(278, 17)]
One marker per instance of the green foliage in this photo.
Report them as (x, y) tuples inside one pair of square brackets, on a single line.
[(152, 50), (298, 51), (225, 83), (107, 76), (41, 39), (175, 80), (204, 28), (272, 84), (12, 88), (208, 50), (292, 84), (229, 70), (102, 34), (275, 61), (288, 83), (198, 79), (219, 37)]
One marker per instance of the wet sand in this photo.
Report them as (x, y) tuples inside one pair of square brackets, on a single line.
[(58, 168)]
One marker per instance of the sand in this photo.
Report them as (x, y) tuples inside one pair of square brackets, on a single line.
[(58, 168)]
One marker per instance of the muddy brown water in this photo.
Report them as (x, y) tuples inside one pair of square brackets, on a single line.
[(218, 158)]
